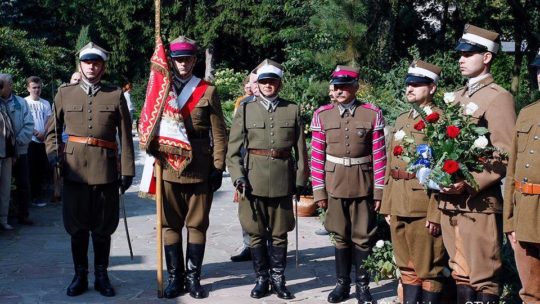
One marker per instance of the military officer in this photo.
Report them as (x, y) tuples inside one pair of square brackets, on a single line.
[(187, 197), (419, 251), (348, 162), (91, 113), (521, 198), (274, 167), (471, 220)]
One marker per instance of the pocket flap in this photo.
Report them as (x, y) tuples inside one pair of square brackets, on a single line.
[(105, 108), (286, 123), (74, 108), (525, 128), (363, 125), (331, 125), (329, 166), (69, 148), (255, 124)]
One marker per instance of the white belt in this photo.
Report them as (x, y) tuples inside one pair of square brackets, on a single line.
[(347, 161)]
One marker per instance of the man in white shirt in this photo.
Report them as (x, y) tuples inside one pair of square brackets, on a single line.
[(37, 157)]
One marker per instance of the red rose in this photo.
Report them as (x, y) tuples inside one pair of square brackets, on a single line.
[(452, 131), (419, 126), (398, 150), (433, 117), (450, 166)]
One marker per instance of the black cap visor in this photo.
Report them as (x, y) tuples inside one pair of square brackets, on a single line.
[(91, 57), (268, 76), (413, 78), (175, 54), (469, 46), (343, 80)]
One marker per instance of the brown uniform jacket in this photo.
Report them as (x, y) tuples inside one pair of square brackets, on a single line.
[(281, 129), (402, 197), (349, 136), (522, 211), (98, 115), (496, 111), (207, 134)]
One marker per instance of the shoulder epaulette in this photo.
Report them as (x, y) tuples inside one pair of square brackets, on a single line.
[(531, 104), (370, 106)]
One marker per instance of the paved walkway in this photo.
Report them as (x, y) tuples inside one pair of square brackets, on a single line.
[(36, 266)]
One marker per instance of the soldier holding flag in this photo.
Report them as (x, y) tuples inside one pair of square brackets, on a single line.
[(93, 114)]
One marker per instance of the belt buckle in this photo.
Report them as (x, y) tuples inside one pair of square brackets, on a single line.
[(346, 161), (273, 153), (91, 141)]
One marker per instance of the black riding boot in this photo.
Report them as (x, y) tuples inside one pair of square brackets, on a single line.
[(412, 294), (174, 258), (487, 298), (343, 276), (79, 252), (259, 255), (465, 294), (362, 277), (278, 262), (195, 255), (429, 297), (102, 248)]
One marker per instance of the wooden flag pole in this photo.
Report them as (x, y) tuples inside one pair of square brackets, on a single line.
[(159, 183)]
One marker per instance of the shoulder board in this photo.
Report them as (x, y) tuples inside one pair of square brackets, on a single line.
[(403, 113), (66, 85), (370, 106), (531, 104), (247, 99), (497, 87), (325, 108)]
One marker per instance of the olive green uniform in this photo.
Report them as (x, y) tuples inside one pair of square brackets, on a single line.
[(522, 210), (268, 207), (419, 255), (471, 222)]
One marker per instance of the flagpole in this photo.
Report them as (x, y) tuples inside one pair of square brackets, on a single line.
[(159, 182)]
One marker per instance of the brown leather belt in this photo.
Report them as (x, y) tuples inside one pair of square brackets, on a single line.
[(271, 153), (91, 141), (400, 174), (527, 188)]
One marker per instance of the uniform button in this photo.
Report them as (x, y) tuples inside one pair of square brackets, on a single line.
[(527, 165), (531, 152), (271, 118), (90, 118), (254, 125), (536, 137), (89, 110), (272, 141), (347, 136), (271, 125), (348, 152), (346, 129), (347, 144), (89, 126), (347, 122), (525, 179), (272, 133)]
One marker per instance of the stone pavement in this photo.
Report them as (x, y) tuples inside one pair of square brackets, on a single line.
[(36, 266)]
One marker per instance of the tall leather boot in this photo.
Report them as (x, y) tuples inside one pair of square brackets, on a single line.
[(465, 294), (79, 252), (412, 294), (102, 248), (278, 262), (174, 258), (195, 255), (362, 277), (259, 255), (487, 298), (429, 297), (343, 276)]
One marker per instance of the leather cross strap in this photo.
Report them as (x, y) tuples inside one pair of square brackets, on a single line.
[(527, 188), (283, 154), (91, 141), (400, 174)]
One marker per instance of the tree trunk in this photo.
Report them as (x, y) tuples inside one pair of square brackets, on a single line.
[(209, 63), (518, 59)]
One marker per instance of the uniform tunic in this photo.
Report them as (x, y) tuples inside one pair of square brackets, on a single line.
[(419, 255), (268, 208), (350, 190), (522, 211), (474, 217), (188, 197), (91, 172)]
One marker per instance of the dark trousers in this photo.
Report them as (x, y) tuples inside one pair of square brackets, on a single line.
[(22, 183), (39, 167)]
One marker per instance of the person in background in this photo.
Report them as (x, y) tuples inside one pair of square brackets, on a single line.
[(7, 153), (37, 156), (127, 95)]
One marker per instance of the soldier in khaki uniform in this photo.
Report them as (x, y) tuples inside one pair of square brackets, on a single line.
[(419, 251), (275, 166), (521, 198), (91, 113), (187, 198), (471, 220), (347, 166)]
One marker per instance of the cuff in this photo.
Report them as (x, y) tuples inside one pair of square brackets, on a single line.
[(320, 194), (377, 194), (508, 225)]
